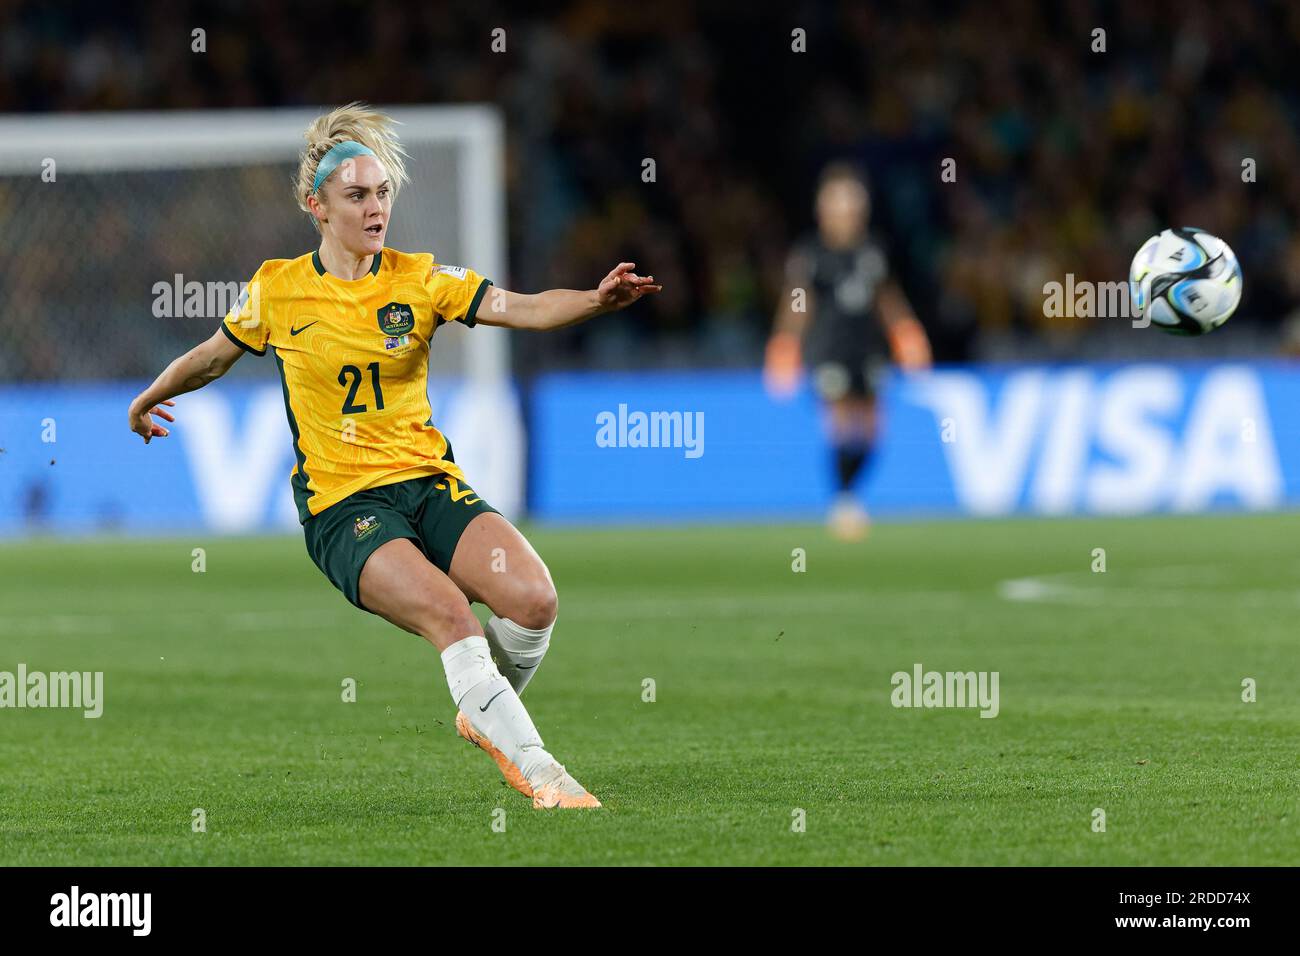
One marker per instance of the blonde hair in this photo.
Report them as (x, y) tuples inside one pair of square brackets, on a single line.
[(358, 123)]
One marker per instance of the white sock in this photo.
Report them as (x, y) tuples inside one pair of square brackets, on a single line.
[(492, 705), (518, 650)]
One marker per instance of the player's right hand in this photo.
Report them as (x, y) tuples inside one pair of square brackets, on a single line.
[(143, 425)]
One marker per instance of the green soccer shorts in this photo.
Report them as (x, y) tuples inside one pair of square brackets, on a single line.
[(432, 511)]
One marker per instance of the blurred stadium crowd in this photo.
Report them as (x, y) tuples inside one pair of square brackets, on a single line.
[(1066, 158)]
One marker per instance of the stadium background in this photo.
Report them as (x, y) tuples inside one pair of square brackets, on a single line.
[(769, 644), (1066, 159)]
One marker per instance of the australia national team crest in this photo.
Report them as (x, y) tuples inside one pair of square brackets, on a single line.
[(365, 527), (396, 319)]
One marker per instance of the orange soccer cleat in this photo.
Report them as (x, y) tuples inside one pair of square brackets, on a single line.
[(514, 776), (557, 789)]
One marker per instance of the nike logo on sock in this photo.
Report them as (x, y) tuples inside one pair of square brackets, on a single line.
[(523, 668), (483, 709)]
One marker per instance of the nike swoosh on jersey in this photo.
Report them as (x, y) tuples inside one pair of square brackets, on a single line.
[(303, 329)]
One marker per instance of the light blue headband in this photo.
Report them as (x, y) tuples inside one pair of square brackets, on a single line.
[(348, 149)]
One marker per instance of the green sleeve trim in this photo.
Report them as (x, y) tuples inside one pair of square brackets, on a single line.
[(469, 319), (300, 481), (242, 344)]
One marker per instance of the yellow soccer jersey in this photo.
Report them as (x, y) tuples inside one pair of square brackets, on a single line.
[(353, 358)]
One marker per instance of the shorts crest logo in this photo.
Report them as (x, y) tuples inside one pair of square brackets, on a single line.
[(396, 318), (365, 527)]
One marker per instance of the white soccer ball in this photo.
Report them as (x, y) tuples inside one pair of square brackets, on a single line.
[(1185, 280)]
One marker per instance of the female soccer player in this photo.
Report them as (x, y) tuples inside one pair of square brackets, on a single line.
[(388, 515), (854, 317)]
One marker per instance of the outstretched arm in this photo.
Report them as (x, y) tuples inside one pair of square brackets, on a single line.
[(204, 363), (557, 308), (783, 360), (907, 338)]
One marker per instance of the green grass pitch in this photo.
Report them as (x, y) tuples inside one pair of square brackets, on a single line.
[(1119, 690)]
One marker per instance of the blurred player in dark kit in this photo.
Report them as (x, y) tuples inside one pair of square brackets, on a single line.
[(844, 318)]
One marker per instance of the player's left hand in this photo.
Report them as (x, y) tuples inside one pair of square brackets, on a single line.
[(910, 345), (622, 287)]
